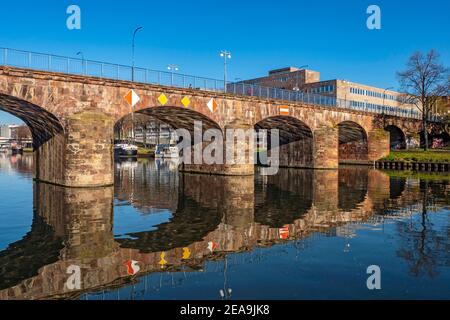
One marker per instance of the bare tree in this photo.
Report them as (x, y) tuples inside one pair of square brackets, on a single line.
[(424, 82)]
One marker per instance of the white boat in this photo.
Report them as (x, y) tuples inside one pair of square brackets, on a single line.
[(127, 150), (166, 151)]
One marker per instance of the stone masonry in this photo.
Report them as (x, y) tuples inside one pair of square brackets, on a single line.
[(72, 120)]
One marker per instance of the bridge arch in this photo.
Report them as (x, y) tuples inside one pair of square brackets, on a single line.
[(47, 133), (180, 118), (176, 117), (296, 145), (43, 124), (353, 142), (397, 137)]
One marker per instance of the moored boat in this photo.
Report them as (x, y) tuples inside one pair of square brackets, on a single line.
[(125, 150), (167, 151)]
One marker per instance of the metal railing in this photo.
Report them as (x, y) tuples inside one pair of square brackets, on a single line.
[(83, 67)]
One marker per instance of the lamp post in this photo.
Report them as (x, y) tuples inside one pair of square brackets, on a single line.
[(225, 55), (132, 80), (172, 68), (83, 62), (132, 53)]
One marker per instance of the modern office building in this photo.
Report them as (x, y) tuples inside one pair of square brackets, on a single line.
[(308, 81)]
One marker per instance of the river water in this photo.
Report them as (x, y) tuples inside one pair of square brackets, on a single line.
[(161, 234)]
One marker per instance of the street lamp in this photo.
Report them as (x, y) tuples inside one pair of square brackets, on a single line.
[(225, 55), (132, 80), (83, 62), (172, 68), (297, 88), (132, 54)]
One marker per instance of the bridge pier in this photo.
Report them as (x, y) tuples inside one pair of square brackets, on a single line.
[(326, 148), (240, 152), (379, 144), (82, 156), (326, 190), (82, 217), (238, 201), (49, 162)]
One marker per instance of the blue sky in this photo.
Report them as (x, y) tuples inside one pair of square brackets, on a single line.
[(328, 35)]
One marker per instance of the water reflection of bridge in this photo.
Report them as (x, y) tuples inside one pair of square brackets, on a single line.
[(235, 213)]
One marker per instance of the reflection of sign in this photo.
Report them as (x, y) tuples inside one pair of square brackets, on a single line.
[(212, 246), (185, 101), (284, 232), (132, 98), (132, 267), (212, 105), (284, 110), (163, 261), (162, 99), (186, 253)]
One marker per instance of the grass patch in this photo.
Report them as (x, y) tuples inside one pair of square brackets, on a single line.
[(440, 176), (418, 156), (145, 151)]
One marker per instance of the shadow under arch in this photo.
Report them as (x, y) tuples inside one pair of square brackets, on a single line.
[(177, 117), (353, 143), (43, 124), (296, 140), (397, 137)]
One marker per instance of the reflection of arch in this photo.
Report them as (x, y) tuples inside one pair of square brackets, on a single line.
[(287, 197), (43, 124), (190, 223), (397, 186), (23, 259), (353, 144), (353, 187), (296, 140), (397, 137)]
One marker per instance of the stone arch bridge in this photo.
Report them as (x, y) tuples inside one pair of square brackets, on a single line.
[(72, 122)]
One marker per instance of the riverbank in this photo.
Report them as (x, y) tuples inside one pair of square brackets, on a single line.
[(416, 160), (435, 156)]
